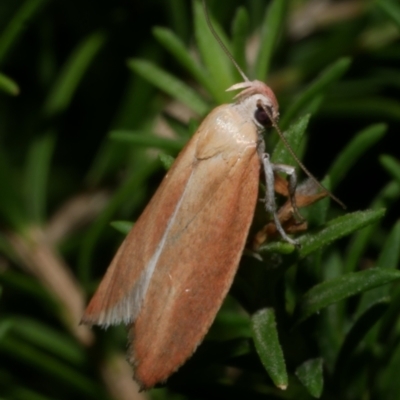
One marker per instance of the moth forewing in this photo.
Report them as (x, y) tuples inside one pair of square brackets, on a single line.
[(180, 258)]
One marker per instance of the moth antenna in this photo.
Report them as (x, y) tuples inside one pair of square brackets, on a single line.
[(219, 41), (302, 166)]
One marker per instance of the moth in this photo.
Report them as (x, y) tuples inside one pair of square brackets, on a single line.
[(171, 274)]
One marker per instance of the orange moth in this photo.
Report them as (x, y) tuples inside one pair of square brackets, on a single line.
[(174, 269)]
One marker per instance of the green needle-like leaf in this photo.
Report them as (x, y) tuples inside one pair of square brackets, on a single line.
[(358, 331), (319, 86), (265, 336), (240, 27), (12, 208), (17, 25), (176, 47), (350, 155), (166, 161), (169, 84), (388, 259), (216, 62), (49, 364), (147, 139), (294, 136), (310, 374), (391, 9), (122, 226), (336, 229), (36, 176), (5, 326), (388, 195), (7, 85), (334, 290), (270, 31), (392, 165), (72, 73), (49, 339)]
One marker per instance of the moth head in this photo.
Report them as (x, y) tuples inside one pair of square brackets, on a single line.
[(259, 100)]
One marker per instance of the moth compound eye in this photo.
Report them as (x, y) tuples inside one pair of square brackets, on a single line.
[(263, 117)]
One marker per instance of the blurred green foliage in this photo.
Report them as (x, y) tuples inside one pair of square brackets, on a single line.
[(86, 89)]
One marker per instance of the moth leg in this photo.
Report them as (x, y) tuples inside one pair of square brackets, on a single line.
[(270, 203), (292, 180)]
